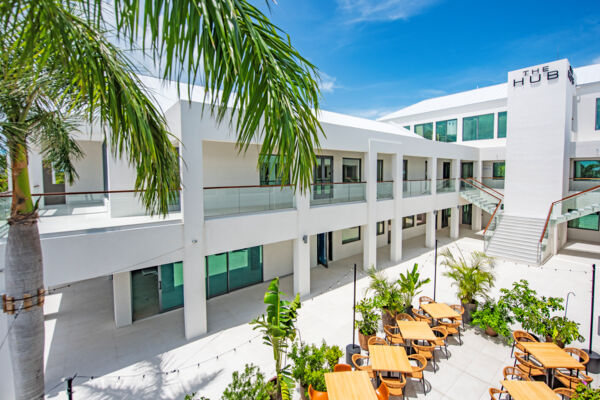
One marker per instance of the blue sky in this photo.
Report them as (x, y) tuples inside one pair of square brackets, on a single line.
[(376, 56)]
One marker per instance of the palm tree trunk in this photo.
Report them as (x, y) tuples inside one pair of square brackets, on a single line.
[(24, 275)]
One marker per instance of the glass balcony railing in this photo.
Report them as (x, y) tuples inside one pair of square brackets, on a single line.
[(494, 183), (579, 184), (246, 199), (416, 188), (333, 193), (446, 185), (385, 190)]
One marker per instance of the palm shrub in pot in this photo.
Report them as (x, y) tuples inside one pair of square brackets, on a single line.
[(387, 295), (311, 362), (494, 318), (368, 322), (410, 284), (473, 277)]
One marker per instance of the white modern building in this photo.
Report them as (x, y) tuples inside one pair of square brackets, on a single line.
[(492, 159)]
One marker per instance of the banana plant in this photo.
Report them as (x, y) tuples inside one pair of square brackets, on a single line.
[(278, 328)]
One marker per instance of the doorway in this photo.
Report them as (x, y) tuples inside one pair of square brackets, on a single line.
[(446, 174), (54, 182), (324, 253), (466, 170), (467, 214), (323, 177), (156, 289), (445, 217)]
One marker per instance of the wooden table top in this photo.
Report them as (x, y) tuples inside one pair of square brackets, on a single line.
[(416, 330), (351, 385), (440, 310), (551, 356), (529, 390), (389, 358)]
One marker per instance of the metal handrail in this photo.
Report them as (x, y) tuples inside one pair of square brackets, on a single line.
[(484, 185), (492, 218), (558, 201), (483, 190), (79, 193)]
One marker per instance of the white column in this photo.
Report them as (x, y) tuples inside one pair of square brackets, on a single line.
[(369, 231), (122, 298), (430, 229), (454, 222), (301, 247), (476, 217), (432, 173), (396, 239), (192, 207), (455, 173)]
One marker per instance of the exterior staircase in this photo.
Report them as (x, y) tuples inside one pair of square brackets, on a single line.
[(516, 238)]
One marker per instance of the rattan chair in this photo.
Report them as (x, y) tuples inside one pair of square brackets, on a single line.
[(565, 393), (461, 310), (420, 316), (366, 367), (417, 371), (392, 335), (579, 355), (572, 381), (316, 395), (404, 317), (377, 340), (442, 334), (513, 374), (496, 394), (527, 367), (521, 336), (452, 327), (425, 349), (382, 392), (342, 368), (394, 385), (425, 300)]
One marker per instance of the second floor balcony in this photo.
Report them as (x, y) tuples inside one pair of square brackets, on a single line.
[(414, 188), (231, 200), (446, 185), (493, 182), (334, 193)]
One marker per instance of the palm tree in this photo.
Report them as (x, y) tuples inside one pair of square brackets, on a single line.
[(58, 68), (472, 278)]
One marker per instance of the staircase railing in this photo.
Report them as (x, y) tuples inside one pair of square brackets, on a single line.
[(494, 221), (555, 212)]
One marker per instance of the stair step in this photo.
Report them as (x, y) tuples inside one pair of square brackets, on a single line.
[(513, 254)]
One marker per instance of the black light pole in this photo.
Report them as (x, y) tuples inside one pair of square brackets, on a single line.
[(435, 270), (352, 349), (594, 363)]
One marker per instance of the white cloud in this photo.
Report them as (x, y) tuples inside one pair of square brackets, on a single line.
[(382, 10), (327, 84), (596, 60)]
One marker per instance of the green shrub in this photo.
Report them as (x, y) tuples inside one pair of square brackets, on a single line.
[(496, 316), (249, 385), (472, 278), (584, 392), (410, 284), (369, 319), (310, 363), (561, 329)]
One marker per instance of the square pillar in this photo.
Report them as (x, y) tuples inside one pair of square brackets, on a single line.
[(454, 222), (301, 250), (476, 217), (396, 236), (455, 174), (430, 229), (369, 231), (432, 174), (122, 298)]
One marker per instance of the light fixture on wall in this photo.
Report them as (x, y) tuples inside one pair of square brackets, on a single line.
[(305, 239)]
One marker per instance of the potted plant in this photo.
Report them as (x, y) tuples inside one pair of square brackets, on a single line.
[(310, 363), (472, 278), (387, 296), (562, 331), (494, 319), (368, 322), (250, 384), (410, 284), (584, 392), (278, 328)]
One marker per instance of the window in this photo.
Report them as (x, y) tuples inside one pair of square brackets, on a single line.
[(588, 222), (404, 169), (269, 172), (445, 131), (407, 127), (233, 270), (598, 114), (379, 170), (421, 219), (351, 235), (587, 169), (498, 169), (408, 222), (380, 228), (425, 130), (502, 124), (351, 169), (478, 127)]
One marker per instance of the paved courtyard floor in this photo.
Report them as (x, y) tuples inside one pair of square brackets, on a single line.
[(151, 359)]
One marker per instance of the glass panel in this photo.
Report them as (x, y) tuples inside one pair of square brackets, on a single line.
[(421, 219), (269, 172), (466, 170), (228, 201), (587, 169), (499, 169), (407, 127), (404, 169), (379, 170), (408, 222), (446, 130), (451, 129), (440, 131), (350, 235), (337, 193), (467, 210), (486, 127), (587, 222), (216, 274), (144, 293), (446, 185), (385, 190), (416, 188), (380, 228), (171, 285), (469, 128), (245, 267), (597, 114), (425, 130), (502, 124), (351, 169)]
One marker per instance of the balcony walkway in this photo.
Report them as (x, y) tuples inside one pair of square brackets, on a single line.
[(81, 337)]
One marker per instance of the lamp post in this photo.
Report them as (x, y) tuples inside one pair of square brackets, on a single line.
[(435, 270), (594, 363), (353, 348)]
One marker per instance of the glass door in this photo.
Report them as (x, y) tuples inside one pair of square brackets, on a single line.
[(467, 212), (445, 217), (466, 170), (446, 174), (144, 293), (323, 177), (170, 284), (322, 249)]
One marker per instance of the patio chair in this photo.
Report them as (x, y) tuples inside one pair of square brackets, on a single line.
[(513, 374), (496, 394), (442, 334), (579, 355), (394, 385), (425, 300), (527, 367), (420, 316), (364, 367), (425, 350), (342, 368), (521, 336), (316, 395), (377, 341), (404, 317), (392, 336), (565, 393), (452, 327), (572, 381), (382, 392), (461, 310), (417, 371)]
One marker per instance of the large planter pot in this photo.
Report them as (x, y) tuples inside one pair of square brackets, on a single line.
[(388, 317), (469, 308), (363, 340), (558, 342), (491, 332)]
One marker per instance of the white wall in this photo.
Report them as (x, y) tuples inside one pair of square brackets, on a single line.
[(416, 168), (585, 112), (583, 235), (223, 166), (277, 259), (89, 168)]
